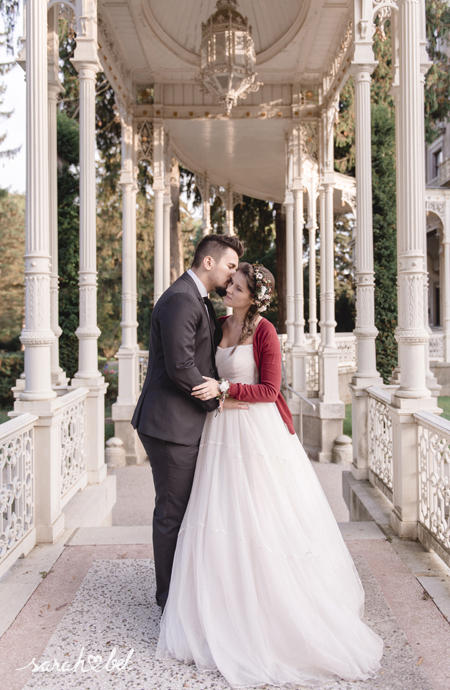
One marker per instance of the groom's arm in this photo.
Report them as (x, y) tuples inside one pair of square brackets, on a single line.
[(179, 321)]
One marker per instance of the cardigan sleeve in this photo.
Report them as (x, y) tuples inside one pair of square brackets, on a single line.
[(268, 388)]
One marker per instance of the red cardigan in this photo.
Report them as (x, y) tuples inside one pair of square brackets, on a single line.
[(267, 354)]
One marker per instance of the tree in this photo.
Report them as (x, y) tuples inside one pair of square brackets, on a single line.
[(437, 79), (8, 12), (12, 242)]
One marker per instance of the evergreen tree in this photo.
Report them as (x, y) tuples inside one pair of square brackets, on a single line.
[(68, 240)]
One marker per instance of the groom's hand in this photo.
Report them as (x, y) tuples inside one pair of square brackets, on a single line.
[(207, 390)]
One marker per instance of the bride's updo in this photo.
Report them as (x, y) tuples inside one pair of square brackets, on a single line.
[(249, 271)]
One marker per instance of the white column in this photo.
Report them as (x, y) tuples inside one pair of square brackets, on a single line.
[(229, 213), (322, 264), (299, 323), (87, 65), (312, 226), (159, 191), (329, 322), (289, 210), (411, 237), (54, 88), (167, 206), (128, 354), (365, 330), (206, 209), (37, 335), (88, 331), (446, 295), (411, 228)]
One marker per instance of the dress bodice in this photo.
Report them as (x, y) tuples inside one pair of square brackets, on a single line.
[(238, 366)]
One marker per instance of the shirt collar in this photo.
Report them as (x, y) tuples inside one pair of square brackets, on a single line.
[(200, 287)]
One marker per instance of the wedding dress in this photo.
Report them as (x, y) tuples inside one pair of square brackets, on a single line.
[(263, 587)]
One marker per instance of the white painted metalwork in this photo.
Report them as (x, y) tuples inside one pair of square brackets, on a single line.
[(380, 436), (346, 344), (436, 345), (16, 481), (434, 471), (227, 55), (312, 372), (73, 454), (143, 364)]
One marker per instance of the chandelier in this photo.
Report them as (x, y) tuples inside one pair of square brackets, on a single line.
[(227, 55)]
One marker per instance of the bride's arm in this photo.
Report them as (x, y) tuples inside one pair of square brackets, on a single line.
[(268, 388)]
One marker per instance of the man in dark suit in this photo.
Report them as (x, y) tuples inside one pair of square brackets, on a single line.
[(184, 335)]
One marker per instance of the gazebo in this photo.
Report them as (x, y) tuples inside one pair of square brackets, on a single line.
[(277, 144)]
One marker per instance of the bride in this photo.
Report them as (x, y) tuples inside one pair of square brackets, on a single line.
[(263, 587)]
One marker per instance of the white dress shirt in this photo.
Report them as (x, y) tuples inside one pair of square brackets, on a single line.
[(200, 287)]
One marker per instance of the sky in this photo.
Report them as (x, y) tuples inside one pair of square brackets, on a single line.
[(12, 171)]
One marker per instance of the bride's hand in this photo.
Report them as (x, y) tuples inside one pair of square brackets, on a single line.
[(233, 404), (206, 391)]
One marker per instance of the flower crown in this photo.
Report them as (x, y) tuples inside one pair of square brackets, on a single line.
[(263, 291)]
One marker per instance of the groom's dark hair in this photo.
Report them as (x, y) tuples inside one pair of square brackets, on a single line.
[(215, 246)]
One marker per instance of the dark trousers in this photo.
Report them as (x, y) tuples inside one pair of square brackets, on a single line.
[(173, 467)]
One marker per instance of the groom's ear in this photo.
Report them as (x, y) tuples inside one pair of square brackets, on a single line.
[(208, 263)]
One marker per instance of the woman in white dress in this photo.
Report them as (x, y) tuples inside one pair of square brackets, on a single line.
[(263, 587)]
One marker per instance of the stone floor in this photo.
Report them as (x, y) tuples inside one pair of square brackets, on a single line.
[(89, 598)]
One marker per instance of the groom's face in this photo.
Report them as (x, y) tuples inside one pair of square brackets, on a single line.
[(224, 270)]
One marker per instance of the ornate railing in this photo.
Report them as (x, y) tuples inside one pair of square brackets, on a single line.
[(436, 347), (380, 439), (434, 470), (312, 372), (346, 344), (73, 455), (143, 364), (16, 482)]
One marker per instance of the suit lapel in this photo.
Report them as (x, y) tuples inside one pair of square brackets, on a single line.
[(212, 327)]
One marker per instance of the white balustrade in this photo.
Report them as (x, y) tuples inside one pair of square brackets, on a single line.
[(433, 437), (73, 454), (346, 344), (380, 439), (436, 347), (17, 484)]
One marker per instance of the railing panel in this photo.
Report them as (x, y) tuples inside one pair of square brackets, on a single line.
[(16, 481), (312, 372), (380, 437), (434, 476), (73, 453), (346, 344), (436, 347)]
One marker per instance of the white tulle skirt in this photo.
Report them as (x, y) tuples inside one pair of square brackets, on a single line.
[(263, 587)]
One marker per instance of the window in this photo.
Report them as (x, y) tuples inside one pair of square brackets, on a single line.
[(437, 160)]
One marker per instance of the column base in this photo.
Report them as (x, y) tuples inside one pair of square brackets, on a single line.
[(50, 533), (134, 450), (59, 379), (433, 386), (405, 530), (321, 427)]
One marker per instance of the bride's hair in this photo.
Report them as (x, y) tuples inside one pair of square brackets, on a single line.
[(250, 318)]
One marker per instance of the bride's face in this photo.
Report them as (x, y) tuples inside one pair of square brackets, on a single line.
[(238, 295)]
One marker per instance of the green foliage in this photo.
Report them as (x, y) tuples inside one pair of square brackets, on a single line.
[(437, 79), (384, 207), (11, 367), (12, 242), (68, 240), (254, 222)]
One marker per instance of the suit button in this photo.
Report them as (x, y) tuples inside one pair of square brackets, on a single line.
[(211, 371)]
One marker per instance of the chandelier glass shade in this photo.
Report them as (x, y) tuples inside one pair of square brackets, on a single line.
[(227, 55)]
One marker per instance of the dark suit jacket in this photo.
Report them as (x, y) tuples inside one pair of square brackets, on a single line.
[(183, 341)]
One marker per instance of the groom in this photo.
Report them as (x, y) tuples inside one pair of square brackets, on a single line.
[(184, 335)]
